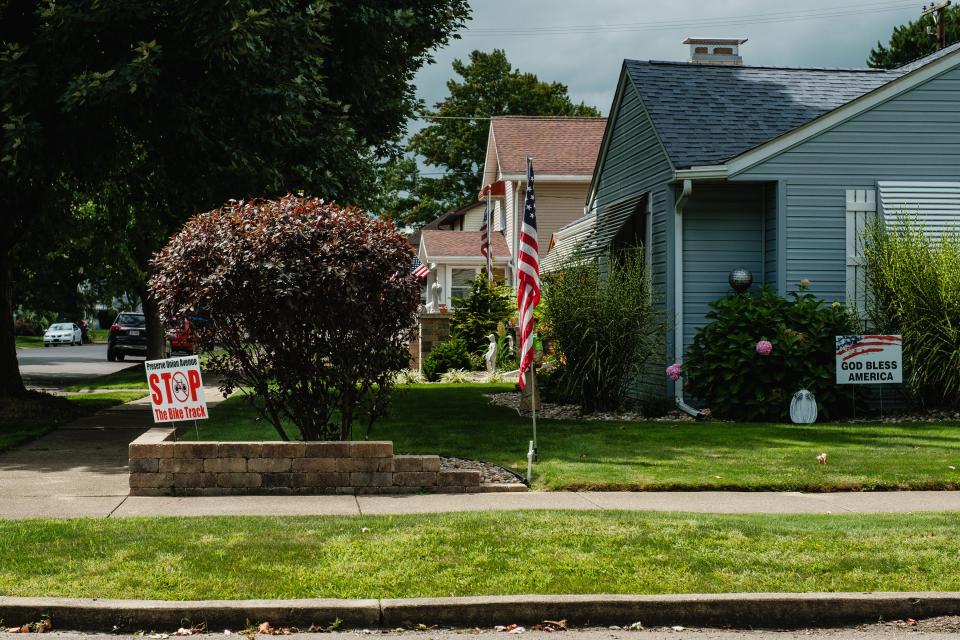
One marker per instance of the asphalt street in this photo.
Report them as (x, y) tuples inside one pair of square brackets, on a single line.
[(64, 365)]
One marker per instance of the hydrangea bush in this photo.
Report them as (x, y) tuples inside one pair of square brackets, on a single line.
[(759, 349)]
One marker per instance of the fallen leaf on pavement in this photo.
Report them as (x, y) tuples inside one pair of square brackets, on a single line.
[(265, 628)]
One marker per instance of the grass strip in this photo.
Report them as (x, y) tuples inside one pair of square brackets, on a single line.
[(132, 377), (29, 342), (477, 554), (457, 420)]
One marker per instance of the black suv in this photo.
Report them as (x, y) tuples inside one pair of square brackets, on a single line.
[(128, 335)]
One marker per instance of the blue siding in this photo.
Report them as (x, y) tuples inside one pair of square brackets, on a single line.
[(722, 230), (913, 136), (633, 164), (770, 235)]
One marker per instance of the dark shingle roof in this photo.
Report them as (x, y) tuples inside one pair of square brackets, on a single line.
[(706, 114)]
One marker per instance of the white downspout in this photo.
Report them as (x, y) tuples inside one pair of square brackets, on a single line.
[(678, 295)]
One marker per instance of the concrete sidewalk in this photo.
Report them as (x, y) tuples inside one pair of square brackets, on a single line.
[(80, 470)]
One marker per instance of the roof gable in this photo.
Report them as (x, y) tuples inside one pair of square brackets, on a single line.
[(559, 145), (705, 114)]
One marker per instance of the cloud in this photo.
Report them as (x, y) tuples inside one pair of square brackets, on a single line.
[(548, 38)]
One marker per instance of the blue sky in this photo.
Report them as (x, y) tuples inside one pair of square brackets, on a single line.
[(582, 43)]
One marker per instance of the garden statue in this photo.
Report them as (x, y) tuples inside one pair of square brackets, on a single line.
[(491, 354), (510, 351), (803, 407), (433, 306)]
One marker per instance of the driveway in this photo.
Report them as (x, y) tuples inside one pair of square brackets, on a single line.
[(65, 365)]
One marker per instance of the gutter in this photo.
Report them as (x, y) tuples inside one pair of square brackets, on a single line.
[(678, 296)]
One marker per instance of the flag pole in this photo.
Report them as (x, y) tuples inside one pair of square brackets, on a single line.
[(533, 360), (489, 217)]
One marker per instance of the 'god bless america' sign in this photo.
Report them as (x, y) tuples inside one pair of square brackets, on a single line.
[(869, 359)]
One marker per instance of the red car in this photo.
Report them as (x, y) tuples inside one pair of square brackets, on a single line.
[(181, 338)]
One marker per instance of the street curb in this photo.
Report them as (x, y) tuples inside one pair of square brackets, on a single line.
[(84, 614), (737, 610)]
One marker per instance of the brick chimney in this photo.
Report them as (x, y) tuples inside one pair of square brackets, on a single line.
[(725, 51)]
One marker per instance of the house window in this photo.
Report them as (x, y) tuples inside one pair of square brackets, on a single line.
[(461, 281)]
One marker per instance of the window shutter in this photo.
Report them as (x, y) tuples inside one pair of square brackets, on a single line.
[(861, 211)]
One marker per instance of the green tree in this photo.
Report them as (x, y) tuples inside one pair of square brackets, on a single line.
[(489, 86), (911, 41), (477, 315), (157, 109)]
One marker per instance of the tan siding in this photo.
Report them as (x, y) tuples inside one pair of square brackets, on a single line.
[(473, 219), (557, 205), (510, 186)]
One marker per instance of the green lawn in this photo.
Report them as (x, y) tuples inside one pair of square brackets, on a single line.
[(24, 419), (457, 420), (133, 377), (29, 342), (476, 553)]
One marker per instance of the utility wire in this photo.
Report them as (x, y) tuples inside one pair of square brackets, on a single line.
[(689, 24)]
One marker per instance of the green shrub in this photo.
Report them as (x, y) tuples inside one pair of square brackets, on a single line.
[(724, 369), (914, 287), (451, 354), (603, 327), (477, 316)]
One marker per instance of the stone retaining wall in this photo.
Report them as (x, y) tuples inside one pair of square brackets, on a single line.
[(161, 466)]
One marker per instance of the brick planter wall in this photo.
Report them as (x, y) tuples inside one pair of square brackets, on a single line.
[(161, 466)]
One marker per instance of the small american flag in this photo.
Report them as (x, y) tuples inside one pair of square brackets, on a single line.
[(485, 239), (419, 269), (849, 347), (528, 275)]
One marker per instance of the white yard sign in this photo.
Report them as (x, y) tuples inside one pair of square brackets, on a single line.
[(869, 359), (176, 389)]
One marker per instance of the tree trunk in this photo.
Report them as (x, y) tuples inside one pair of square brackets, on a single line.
[(11, 384), (156, 335)]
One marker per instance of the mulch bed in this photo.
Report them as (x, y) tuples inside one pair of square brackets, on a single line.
[(551, 411), (489, 473)]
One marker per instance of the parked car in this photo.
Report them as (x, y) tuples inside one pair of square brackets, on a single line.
[(128, 336), (62, 333), (180, 337)]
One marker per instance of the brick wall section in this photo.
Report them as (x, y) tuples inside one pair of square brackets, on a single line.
[(161, 466), (434, 329)]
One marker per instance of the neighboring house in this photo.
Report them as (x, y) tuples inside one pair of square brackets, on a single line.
[(468, 218), (714, 167), (454, 260), (564, 152)]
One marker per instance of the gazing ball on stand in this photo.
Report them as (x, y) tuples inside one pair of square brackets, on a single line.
[(740, 280)]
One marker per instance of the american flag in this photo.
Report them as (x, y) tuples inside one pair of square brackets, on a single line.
[(528, 275), (849, 347), (485, 239), (419, 269)]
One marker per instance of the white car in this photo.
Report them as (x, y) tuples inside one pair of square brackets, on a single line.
[(62, 333)]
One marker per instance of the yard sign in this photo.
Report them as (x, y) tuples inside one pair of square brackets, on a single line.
[(176, 389), (869, 359)]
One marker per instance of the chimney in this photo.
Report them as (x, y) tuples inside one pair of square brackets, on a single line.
[(725, 51)]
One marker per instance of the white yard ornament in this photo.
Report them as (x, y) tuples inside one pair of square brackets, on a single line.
[(803, 407), (491, 355)]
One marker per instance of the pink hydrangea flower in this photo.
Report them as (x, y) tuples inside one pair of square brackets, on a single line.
[(674, 371), (764, 347)]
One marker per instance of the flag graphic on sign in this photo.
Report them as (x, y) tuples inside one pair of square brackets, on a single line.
[(852, 347), (528, 275)]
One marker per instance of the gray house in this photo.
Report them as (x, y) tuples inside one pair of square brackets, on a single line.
[(714, 165)]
